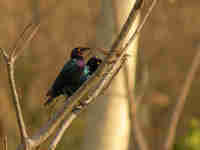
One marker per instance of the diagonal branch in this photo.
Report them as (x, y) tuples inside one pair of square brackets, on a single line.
[(127, 26), (153, 4), (65, 124), (78, 109), (181, 102)]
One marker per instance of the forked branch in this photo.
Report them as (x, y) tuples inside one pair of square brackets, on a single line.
[(10, 61)]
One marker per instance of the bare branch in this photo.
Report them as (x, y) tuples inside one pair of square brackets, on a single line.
[(34, 26), (78, 109), (153, 4), (10, 68), (127, 26), (5, 55), (15, 98), (84, 91), (10, 61), (181, 101), (134, 103), (21, 37), (65, 124), (34, 31)]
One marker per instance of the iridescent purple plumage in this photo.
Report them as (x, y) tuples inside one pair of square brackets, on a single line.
[(69, 78)]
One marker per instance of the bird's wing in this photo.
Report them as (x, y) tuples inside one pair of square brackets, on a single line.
[(85, 75), (66, 73)]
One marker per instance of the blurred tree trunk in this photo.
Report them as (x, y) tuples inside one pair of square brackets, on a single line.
[(108, 119)]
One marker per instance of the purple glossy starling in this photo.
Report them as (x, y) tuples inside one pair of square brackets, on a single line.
[(70, 76)]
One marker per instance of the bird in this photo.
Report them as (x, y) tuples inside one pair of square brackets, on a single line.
[(90, 68), (69, 78)]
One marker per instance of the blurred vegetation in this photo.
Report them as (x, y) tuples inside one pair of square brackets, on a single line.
[(168, 44)]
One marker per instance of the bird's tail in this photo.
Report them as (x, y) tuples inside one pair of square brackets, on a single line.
[(49, 100)]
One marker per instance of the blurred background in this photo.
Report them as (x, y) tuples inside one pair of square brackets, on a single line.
[(167, 45)]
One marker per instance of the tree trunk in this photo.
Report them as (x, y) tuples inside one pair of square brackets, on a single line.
[(108, 124)]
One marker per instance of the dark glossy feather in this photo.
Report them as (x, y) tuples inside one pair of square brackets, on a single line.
[(72, 76), (67, 80)]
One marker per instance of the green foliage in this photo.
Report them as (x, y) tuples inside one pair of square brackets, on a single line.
[(192, 139)]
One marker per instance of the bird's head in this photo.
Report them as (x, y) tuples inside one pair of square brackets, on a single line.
[(79, 52), (93, 64)]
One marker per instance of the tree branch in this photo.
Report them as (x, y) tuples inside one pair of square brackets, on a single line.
[(15, 53), (142, 143), (153, 4), (134, 104), (15, 98), (5, 55), (10, 61), (181, 101), (21, 37), (10, 67), (78, 109), (118, 44), (65, 124)]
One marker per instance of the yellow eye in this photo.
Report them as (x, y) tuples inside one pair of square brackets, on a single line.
[(98, 62)]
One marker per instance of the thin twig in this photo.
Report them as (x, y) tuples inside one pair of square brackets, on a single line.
[(43, 16), (16, 54), (15, 98), (65, 124), (21, 37), (133, 102), (5, 55), (181, 102)]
